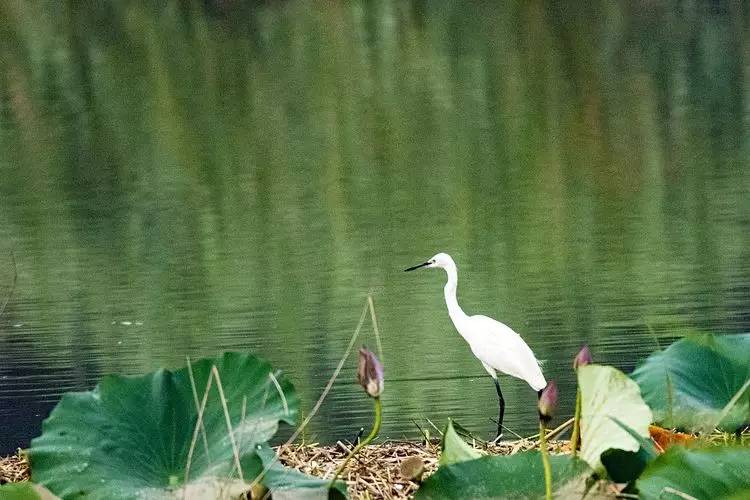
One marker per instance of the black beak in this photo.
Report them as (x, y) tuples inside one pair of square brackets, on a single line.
[(418, 266)]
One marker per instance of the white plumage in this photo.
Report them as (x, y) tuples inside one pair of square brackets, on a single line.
[(500, 349), (496, 345)]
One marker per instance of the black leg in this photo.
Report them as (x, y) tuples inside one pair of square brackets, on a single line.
[(500, 416)]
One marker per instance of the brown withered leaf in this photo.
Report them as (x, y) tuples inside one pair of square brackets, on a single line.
[(665, 438)]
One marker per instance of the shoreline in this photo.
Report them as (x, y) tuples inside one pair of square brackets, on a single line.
[(375, 471)]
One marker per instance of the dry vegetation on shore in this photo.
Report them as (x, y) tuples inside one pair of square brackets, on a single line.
[(14, 468), (374, 473)]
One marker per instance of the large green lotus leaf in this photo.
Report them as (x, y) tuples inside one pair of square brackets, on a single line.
[(455, 449), (515, 476), (689, 384), (607, 393), (130, 437), (713, 473)]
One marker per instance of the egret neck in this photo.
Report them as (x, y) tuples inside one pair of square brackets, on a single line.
[(455, 312)]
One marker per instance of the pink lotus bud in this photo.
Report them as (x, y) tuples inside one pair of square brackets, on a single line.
[(370, 373), (583, 357), (548, 401)]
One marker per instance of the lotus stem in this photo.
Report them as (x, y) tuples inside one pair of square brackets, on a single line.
[(582, 359), (575, 437), (373, 434), (545, 460)]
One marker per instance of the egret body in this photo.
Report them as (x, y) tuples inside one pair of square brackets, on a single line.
[(496, 345)]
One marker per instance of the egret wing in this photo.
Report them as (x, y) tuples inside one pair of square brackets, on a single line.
[(499, 347)]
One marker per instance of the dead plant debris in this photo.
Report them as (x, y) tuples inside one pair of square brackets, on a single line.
[(375, 472), (14, 468)]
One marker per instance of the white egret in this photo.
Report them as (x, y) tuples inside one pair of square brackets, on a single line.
[(496, 345)]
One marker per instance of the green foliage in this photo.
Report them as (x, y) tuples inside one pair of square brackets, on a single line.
[(699, 383), (25, 491), (645, 442), (515, 476), (18, 491), (716, 473), (290, 483), (454, 449), (130, 437), (607, 393), (625, 466)]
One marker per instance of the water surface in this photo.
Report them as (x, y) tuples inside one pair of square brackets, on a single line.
[(186, 179)]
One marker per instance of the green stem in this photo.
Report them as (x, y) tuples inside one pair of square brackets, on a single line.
[(373, 434), (575, 438), (545, 461)]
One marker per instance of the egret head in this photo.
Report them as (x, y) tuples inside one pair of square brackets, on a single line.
[(441, 260)]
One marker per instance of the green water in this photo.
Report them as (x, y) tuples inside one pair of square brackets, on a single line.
[(185, 179)]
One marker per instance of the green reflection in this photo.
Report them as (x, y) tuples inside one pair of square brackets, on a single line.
[(239, 175)]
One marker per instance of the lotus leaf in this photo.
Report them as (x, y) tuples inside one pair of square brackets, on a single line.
[(699, 383), (607, 393), (625, 466), (131, 437), (716, 473), (515, 476), (455, 449)]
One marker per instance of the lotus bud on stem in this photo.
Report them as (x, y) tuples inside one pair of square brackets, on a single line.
[(547, 406), (370, 377), (370, 373), (583, 358)]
